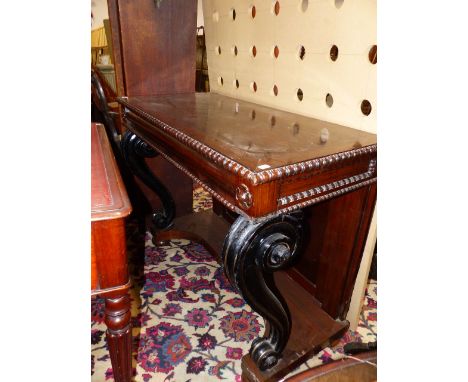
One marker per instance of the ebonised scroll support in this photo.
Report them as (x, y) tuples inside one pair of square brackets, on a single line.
[(134, 151), (253, 250)]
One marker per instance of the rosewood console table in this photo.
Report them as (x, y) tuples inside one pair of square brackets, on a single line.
[(109, 273), (263, 167)]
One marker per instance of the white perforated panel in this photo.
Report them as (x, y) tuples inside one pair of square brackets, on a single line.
[(322, 48)]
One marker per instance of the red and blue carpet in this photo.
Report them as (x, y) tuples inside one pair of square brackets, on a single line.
[(188, 322)]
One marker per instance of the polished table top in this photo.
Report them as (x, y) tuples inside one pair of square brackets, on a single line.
[(256, 136), (253, 159)]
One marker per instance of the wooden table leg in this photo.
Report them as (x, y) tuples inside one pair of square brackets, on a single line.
[(108, 246), (119, 336)]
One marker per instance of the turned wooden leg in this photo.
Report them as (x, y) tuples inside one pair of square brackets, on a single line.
[(252, 251), (134, 151), (119, 336)]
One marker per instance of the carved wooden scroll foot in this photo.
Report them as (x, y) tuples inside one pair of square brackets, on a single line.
[(134, 151), (252, 252), (119, 336)]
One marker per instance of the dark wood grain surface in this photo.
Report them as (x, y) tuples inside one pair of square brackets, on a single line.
[(243, 131), (359, 368), (337, 230), (156, 52), (248, 165)]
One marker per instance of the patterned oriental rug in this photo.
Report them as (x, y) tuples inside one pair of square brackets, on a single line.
[(188, 323)]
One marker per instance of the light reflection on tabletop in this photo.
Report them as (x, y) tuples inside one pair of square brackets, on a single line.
[(251, 134)]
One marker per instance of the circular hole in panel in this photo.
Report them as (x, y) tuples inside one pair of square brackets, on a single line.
[(299, 94), (272, 121), (304, 5), (253, 86), (215, 16), (232, 14), (253, 114), (329, 100), (275, 51), (334, 53), (218, 50), (220, 81), (366, 107), (301, 52), (253, 51), (236, 83), (275, 8), (275, 90), (373, 54), (234, 50), (253, 11), (339, 3)]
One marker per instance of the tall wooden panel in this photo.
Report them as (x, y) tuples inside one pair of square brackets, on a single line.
[(157, 45), (337, 232), (154, 53)]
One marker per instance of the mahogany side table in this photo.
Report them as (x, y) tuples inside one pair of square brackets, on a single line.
[(263, 167), (109, 273)]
